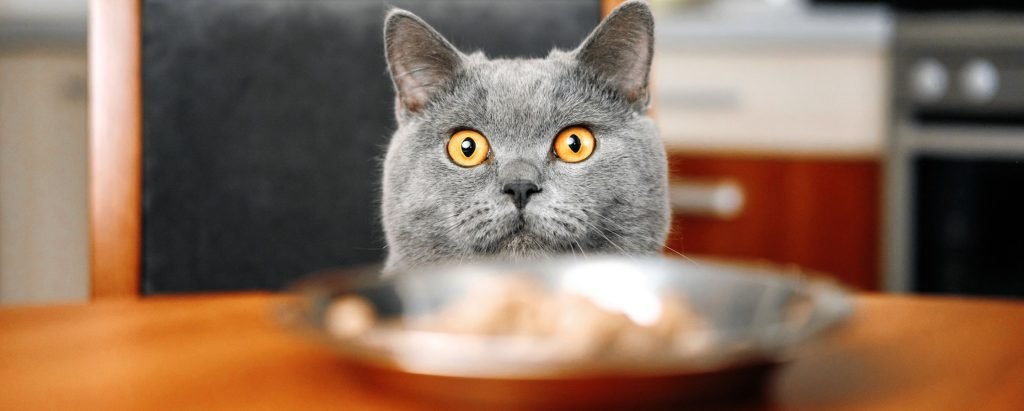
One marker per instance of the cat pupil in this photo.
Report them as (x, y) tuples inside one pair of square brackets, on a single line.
[(468, 147), (574, 143)]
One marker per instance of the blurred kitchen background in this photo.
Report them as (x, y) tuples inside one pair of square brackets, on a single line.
[(877, 142)]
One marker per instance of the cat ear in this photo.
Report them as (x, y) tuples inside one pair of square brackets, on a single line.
[(619, 50), (419, 59)]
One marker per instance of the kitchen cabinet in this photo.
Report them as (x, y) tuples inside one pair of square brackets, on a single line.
[(820, 215), (775, 126)]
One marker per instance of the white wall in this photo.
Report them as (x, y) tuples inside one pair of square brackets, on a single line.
[(43, 10), (43, 238)]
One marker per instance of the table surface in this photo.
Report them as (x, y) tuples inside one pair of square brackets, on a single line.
[(227, 352)]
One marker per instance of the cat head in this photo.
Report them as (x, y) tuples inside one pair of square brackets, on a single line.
[(523, 157)]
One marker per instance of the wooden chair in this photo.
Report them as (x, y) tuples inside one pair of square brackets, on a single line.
[(183, 199)]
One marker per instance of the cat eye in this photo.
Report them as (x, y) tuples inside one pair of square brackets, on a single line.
[(574, 144), (468, 148)]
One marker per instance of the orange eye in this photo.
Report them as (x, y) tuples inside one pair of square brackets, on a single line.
[(574, 144), (468, 148)]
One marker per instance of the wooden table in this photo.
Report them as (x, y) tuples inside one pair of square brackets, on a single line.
[(226, 352)]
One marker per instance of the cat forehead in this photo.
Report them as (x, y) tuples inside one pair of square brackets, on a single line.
[(518, 75), (535, 91)]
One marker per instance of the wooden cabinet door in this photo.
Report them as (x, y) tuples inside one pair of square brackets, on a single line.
[(821, 215)]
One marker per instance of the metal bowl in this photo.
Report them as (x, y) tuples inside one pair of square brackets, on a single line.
[(757, 318)]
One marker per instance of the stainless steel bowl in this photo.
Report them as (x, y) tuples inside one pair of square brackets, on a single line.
[(757, 318)]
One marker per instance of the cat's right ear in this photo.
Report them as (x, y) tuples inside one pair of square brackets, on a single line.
[(419, 59)]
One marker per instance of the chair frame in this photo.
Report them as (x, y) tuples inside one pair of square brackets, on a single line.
[(115, 147)]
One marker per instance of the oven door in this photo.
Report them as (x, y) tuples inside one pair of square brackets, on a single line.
[(968, 225)]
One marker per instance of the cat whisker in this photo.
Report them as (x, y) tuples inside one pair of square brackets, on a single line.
[(610, 241), (665, 246), (680, 254), (609, 221), (619, 228), (581, 249)]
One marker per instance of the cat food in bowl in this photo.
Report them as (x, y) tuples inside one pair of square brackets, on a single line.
[(574, 326), (645, 331)]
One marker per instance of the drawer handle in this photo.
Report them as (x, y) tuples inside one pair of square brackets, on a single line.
[(722, 199)]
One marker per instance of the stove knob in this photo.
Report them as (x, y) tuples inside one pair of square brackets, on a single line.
[(928, 80), (979, 80)]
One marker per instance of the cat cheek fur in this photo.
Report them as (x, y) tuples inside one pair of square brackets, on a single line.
[(613, 202)]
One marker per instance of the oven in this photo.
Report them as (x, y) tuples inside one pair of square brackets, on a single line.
[(955, 167)]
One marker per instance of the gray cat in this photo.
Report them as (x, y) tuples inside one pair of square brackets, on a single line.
[(519, 158)]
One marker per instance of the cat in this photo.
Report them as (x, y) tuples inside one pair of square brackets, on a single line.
[(522, 158)]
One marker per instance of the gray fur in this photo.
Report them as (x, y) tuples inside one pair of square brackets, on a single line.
[(613, 202)]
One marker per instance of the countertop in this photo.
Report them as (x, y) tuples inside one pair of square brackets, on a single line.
[(227, 352)]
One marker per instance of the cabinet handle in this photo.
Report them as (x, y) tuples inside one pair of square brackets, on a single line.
[(722, 199)]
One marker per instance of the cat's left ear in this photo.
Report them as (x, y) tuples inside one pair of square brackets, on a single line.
[(619, 51)]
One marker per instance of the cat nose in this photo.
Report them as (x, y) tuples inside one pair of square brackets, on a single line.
[(520, 190)]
